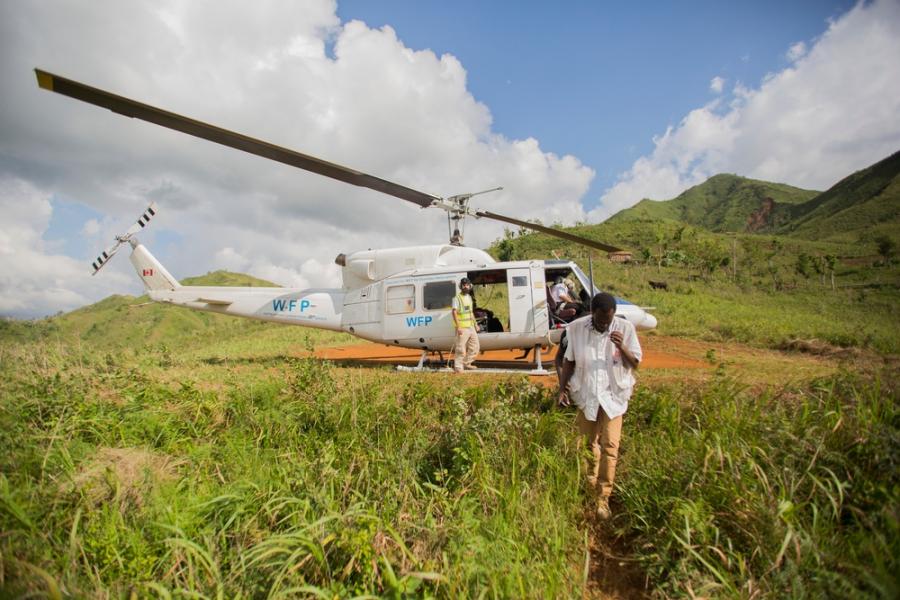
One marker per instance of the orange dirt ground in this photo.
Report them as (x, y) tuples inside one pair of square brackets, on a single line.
[(373, 354), (666, 359)]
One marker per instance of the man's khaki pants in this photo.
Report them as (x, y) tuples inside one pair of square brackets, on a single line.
[(602, 437), (466, 348)]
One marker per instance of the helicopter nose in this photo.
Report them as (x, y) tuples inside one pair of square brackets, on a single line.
[(649, 322)]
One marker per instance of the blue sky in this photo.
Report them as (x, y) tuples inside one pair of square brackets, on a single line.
[(599, 79), (577, 109)]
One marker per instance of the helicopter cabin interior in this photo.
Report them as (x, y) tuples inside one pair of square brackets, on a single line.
[(502, 303)]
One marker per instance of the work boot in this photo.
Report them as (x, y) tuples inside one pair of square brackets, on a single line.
[(603, 512)]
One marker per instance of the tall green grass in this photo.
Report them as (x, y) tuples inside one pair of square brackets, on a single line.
[(788, 493), (163, 474), (305, 481)]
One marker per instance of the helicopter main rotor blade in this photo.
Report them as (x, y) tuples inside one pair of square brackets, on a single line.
[(548, 230), (170, 120), (151, 114)]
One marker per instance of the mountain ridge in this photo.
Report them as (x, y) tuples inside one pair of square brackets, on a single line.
[(724, 202), (859, 207)]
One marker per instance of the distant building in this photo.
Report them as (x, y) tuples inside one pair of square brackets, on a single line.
[(620, 257)]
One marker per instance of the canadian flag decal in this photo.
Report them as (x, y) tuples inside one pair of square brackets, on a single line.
[(148, 273)]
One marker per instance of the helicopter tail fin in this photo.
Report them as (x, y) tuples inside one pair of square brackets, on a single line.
[(152, 273)]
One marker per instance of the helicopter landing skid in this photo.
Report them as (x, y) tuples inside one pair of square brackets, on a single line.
[(426, 366), (481, 370)]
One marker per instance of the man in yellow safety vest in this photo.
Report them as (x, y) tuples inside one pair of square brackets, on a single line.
[(466, 328)]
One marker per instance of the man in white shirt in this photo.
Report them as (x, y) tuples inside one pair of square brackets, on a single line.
[(597, 375)]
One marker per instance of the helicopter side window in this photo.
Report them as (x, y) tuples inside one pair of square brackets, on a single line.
[(438, 294), (400, 299)]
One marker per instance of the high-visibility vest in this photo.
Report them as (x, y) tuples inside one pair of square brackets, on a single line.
[(465, 315)]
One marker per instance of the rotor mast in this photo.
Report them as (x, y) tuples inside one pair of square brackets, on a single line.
[(457, 208)]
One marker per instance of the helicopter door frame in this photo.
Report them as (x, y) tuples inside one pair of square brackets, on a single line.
[(521, 302), (527, 299), (540, 312)]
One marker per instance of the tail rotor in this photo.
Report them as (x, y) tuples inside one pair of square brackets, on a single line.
[(107, 254)]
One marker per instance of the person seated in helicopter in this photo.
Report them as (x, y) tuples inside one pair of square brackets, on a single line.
[(485, 318), (583, 299), (561, 295)]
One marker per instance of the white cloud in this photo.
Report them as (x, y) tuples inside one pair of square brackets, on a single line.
[(34, 279), (90, 228), (229, 259), (376, 105), (796, 51), (717, 85), (834, 110)]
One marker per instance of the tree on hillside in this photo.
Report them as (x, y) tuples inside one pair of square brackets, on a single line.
[(674, 257), (831, 259), (753, 257), (772, 266), (660, 237), (887, 247), (708, 255), (804, 265), (819, 266), (506, 248)]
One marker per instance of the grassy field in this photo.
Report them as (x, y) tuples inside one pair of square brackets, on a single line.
[(789, 493), (231, 469), (764, 300), (279, 477), (150, 451)]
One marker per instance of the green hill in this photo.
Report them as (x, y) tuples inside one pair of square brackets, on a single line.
[(723, 203), (759, 289), (860, 207), (130, 321), (120, 323), (228, 279)]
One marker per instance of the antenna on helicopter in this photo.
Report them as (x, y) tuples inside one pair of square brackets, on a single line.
[(125, 237)]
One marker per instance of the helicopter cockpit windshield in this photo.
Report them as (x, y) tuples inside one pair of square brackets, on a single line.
[(584, 280)]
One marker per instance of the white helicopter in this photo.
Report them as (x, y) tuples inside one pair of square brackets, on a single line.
[(396, 296)]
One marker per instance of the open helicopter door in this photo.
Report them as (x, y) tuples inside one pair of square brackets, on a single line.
[(521, 304), (539, 298), (527, 301)]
